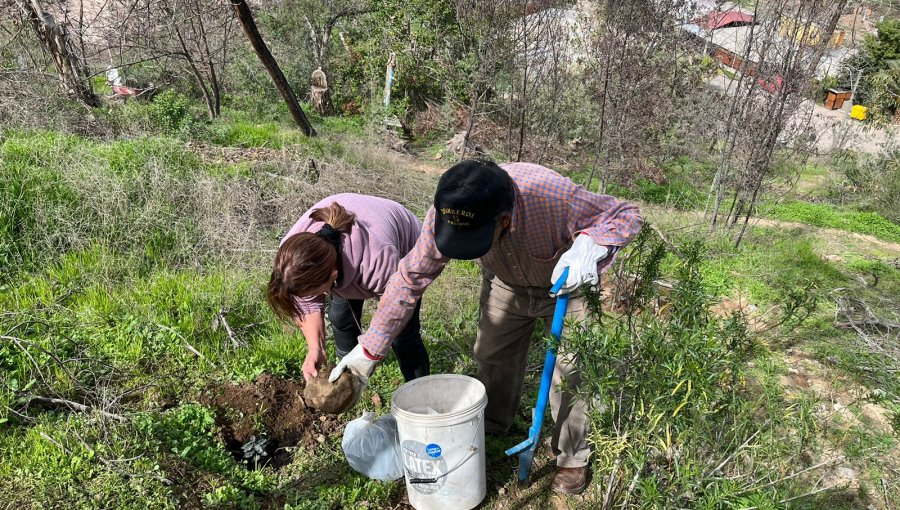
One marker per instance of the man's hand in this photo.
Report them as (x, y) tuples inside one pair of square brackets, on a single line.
[(581, 259), (360, 362), (315, 358)]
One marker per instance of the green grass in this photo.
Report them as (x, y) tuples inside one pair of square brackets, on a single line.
[(814, 180), (241, 133), (769, 262), (45, 464), (676, 193), (106, 265), (679, 189), (62, 193), (828, 216), (236, 129), (98, 309)]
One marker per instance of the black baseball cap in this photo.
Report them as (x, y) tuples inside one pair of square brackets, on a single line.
[(470, 197)]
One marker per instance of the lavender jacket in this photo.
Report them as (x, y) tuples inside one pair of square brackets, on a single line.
[(384, 233)]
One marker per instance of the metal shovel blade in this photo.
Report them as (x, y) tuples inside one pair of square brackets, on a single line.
[(525, 450), (526, 458)]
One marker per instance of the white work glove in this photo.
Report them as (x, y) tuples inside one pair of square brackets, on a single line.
[(581, 259), (359, 362)]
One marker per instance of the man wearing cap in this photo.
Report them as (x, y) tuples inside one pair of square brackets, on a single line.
[(525, 223)]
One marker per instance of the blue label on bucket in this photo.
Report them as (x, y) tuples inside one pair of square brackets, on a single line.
[(433, 450)]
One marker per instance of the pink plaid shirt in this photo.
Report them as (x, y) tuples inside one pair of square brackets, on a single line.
[(550, 209)]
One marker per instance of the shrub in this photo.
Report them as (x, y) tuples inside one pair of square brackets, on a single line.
[(170, 111), (662, 380)]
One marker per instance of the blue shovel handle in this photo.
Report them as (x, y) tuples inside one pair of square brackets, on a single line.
[(562, 303), (526, 448)]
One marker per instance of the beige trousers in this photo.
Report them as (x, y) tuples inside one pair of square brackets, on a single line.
[(508, 315)]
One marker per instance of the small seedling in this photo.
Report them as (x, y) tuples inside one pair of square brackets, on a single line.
[(255, 449)]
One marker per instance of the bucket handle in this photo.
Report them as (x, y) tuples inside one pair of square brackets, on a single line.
[(472, 450)]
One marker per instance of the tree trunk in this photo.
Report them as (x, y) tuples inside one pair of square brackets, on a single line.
[(216, 90), (828, 33), (55, 37), (320, 94), (214, 86), (726, 154), (195, 71), (242, 10), (524, 108), (389, 78), (601, 133), (750, 207), (471, 124)]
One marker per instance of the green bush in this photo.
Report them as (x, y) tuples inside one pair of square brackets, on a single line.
[(171, 111), (824, 85), (878, 55)]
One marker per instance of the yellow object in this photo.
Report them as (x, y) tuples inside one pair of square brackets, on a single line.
[(859, 112), (808, 34)]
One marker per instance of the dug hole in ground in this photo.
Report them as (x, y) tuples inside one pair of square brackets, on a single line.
[(434, 436), (271, 412)]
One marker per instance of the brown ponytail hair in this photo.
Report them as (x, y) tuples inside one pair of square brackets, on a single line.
[(305, 261)]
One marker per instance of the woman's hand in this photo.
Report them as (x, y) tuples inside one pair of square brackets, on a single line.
[(313, 328), (315, 358)]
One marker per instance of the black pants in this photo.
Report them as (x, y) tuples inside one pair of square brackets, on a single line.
[(346, 316)]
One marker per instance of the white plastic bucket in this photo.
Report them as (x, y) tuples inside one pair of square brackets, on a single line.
[(440, 420)]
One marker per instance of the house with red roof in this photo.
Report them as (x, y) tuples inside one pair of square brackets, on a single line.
[(715, 20)]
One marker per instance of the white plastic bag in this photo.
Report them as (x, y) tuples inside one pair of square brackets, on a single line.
[(372, 447)]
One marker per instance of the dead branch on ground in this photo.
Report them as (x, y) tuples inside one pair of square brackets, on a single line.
[(75, 406)]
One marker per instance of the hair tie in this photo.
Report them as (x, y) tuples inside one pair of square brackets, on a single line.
[(328, 233)]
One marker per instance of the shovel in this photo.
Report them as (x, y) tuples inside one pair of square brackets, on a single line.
[(526, 448)]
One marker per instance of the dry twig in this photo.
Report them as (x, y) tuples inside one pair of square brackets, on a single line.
[(879, 335), (220, 319), (793, 475), (110, 463), (75, 406)]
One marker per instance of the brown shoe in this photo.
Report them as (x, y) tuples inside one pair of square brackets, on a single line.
[(570, 480)]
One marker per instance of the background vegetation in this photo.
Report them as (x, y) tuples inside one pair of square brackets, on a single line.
[(136, 238)]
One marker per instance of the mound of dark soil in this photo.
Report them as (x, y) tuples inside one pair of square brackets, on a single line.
[(265, 417)]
